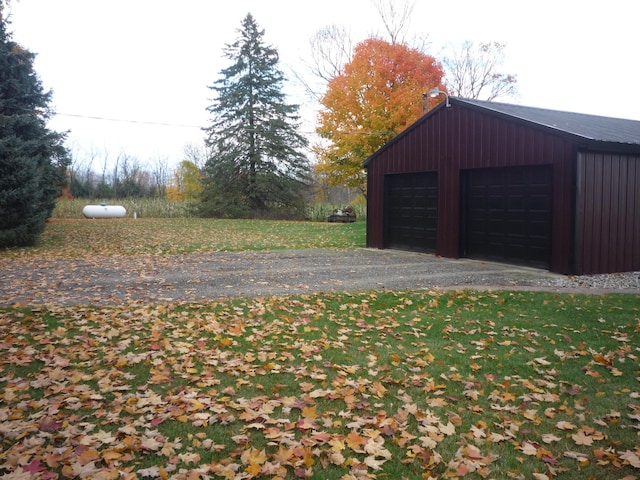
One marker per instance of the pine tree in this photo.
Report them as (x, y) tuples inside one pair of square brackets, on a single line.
[(32, 157), (256, 166)]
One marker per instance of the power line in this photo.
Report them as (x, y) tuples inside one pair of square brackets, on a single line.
[(121, 120), (143, 122)]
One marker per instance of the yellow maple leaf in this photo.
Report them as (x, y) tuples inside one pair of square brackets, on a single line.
[(337, 445), (309, 412), (253, 469), (581, 438)]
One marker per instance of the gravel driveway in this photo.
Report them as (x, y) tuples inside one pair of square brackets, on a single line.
[(203, 277)]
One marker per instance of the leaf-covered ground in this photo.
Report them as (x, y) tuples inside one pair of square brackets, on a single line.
[(334, 386), (123, 237), (87, 261)]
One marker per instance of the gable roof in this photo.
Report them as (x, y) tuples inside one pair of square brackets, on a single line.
[(597, 131), (589, 127)]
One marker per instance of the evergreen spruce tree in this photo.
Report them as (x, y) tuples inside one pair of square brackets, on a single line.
[(32, 158), (256, 166)]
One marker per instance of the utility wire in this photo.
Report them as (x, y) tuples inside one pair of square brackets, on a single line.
[(143, 122)]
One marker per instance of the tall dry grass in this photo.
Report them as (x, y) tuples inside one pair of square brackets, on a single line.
[(141, 207), (163, 208)]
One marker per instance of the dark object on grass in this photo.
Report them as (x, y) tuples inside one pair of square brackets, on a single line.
[(347, 215)]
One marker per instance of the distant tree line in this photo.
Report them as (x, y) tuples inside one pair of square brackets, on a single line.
[(123, 176), (98, 175)]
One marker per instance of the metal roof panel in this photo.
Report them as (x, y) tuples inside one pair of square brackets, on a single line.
[(589, 127)]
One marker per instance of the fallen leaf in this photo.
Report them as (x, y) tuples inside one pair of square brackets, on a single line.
[(564, 425), (550, 438), (632, 458), (528, 449)]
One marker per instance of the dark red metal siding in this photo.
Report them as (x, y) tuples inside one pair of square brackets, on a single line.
[(458, 138), (608, 206)]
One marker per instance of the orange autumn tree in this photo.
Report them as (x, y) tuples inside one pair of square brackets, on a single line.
[(379, 94)]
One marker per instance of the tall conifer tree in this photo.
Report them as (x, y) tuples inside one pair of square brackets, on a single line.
[(33, 158), (256, 164)]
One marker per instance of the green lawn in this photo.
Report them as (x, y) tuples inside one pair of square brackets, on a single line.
[(159, 236), (335, 386), (351, 386)]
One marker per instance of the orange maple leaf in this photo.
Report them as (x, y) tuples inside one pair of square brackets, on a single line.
[(88, 456), (355, 441)]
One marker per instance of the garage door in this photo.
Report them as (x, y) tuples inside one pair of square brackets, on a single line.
[(506, 215), (411, 216)]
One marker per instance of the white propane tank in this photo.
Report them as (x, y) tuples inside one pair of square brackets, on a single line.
[(104, 211)]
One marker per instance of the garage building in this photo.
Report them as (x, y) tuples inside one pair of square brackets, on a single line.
[(509, 183)]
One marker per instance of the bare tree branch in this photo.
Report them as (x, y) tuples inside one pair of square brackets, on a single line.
[(196, 153), (473, 71), (396, 17), (331, 49)]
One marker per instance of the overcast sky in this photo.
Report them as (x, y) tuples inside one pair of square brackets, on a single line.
[(152, 60)]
